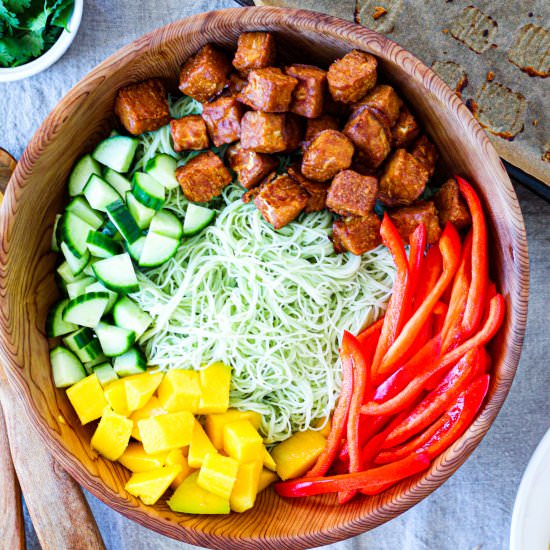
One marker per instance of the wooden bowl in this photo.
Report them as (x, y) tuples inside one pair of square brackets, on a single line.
[(38, 191)]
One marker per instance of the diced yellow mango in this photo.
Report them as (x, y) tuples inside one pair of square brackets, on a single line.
[(137, 460), (190, 498), (166, 431), (214, 384), (180, 391), (140, 388), (152, 408), (112, 434), (115, 393), (215, 422), (245, 489), (325, 430), (150, 486), (87, 398), (242, 441), (268, 461), (176, 456), (297, 454), (267, 477), (218, 474), (199, 447)]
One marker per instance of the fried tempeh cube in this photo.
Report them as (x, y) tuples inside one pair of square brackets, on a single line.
[(356, 234), (317, 192), (255, 50), (269, 132), (189, 133), (407, 219), (251, 167), (405, 130), (352, 194), (329, 152), (143, 107), (268, 90), (451, 206), (235, 84), (352, 76), (308, 97), (384, 100), (223, 119), (280, 201), (424, 151), (316, 125), (203, 177), (404, 179), (204, 75)]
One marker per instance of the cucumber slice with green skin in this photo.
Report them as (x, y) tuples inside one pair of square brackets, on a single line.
[(81, 173), (55, 325), (157, 250), (74, 232), (101, 246), (89, 365), (135, 249), (127, 314), (99, 193), (119, 183), (166, 223), (163, 168), (114, 340), (124, 222), (116, 152), (55, 241), (83, 344), (84, 211), (141, 214), (148, 191), (66, 274), (87, 309), (110, 229), (66, 367), (98, 287), (79, 287), (105, 373), (196, 219), (76, 264), (131, 362), (117, 273)]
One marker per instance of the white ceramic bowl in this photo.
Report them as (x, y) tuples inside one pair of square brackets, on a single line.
[(50, 56)]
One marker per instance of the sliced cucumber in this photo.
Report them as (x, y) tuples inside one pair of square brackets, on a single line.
[(66, 273), (124, 222), (117, 273), (99, 193), (98, 287), (81, 173), (55, 240), (66, 367), (87, 309), (157, 249), (116, 152), (101, 246), (110, 229), (166, 223), (75, 263), (148, 191), (196, 219), (135, 249), (89, 365), (117, 181), (79, 287), (80, 206), (163, 169), (55, 325), (114, 340), (141, 214), (127, 314), (131, 362), (83, 344), (74, 231), (105, 373)]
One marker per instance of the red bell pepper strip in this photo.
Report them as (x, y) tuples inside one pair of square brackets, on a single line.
[(478, 287), (365, 334), (440, 311), (449, 244), (369, 426), (429, 274), (417, 246), (372, 481)]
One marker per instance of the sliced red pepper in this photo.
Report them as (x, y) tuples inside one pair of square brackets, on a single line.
[(440, 311), (429, 275), (369, 426), (372, 481), (365, 334), (478, 286), (417, 246)]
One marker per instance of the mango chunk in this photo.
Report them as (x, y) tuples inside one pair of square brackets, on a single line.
[(218, 474), (180, 391), (268, 461), (267, 477), (87, 398), (115, 393), (245, 489), (150, 486), (152, 408), (191, 498), (242, 441), (214, 423), (140, 388), (325, 429), (112, 434), (199, 447), (166, 431), (297, 454), (177, 456), (137, 460), (214, 385)]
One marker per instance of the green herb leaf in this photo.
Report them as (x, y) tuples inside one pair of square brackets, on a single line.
[(63, 14), (23, 48), (16, 6), (9, 18), (6, 58)]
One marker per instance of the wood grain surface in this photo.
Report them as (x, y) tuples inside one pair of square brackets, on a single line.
[(27, 287)]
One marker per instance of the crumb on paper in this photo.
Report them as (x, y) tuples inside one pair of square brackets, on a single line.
[(490, 76), (445, 31), (378, 15), (379, 11), (535, 121)]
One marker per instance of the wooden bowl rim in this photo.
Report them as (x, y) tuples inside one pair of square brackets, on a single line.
[(413, 490)]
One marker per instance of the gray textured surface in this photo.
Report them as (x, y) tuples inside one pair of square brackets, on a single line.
[(473, 509)]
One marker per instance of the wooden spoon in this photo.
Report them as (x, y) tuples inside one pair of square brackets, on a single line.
[(59, 512)]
